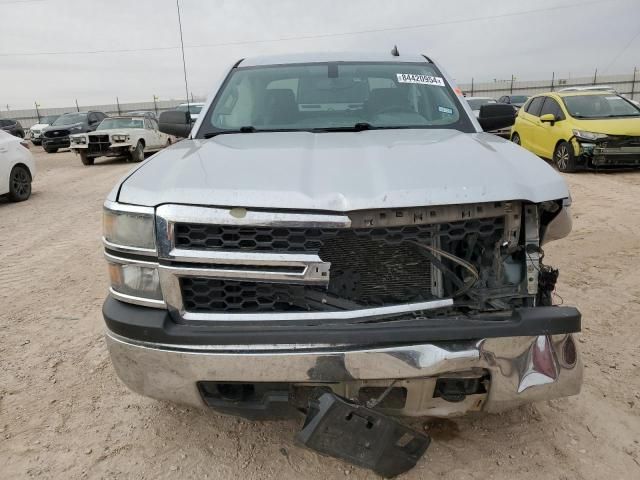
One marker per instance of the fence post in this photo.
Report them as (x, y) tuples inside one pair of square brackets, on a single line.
[(511, 87), (633, 83), (595, 76), (155, 105), (553, 77), (37, 111), (472, 86), (118, 104), (77, 107)]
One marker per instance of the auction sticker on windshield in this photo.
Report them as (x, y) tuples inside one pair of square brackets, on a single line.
[(422, 79)]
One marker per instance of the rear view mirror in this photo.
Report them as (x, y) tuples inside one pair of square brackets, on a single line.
[(175, 123), (496, 115)]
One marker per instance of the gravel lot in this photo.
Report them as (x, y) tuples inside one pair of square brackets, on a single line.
[(64, 414)]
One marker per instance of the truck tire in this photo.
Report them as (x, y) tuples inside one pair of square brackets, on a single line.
[(50, 149), (564, 158), (85, 159), (138, 154), (19, 183)]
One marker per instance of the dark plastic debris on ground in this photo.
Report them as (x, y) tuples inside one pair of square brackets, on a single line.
[(361, 436)]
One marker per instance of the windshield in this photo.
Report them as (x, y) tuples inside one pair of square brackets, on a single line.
[(192, 108), (476, 103), (110, 123), (336, 95), (600, 106), (70, 119), (519, 98), (48, 119)]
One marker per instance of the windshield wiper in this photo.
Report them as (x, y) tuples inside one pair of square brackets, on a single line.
[(358, 127), (245, 129)]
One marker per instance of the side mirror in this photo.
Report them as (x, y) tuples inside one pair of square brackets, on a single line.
[(175, 123), (548, 118), (496, 115)]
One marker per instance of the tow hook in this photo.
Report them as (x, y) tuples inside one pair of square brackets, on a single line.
[(362, 436)]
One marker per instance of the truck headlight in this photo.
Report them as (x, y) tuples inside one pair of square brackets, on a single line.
[(80, 140), (134, 280), (129, 239), (130, 226), (588, 136)]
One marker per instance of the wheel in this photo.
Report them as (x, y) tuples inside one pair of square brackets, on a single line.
[(564, 158), (85, 159), (50, 149), (138, 154), (515, 138), (19, 184)]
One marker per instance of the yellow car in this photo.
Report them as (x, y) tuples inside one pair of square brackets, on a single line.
[(580, 129)]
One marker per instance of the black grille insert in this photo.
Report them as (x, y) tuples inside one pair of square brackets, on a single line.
[(369, 267)]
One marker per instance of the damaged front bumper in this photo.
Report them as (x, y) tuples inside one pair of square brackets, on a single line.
[(606, 154), (447, 376)]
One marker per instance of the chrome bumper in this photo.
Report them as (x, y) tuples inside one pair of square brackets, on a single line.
[(521, 369)]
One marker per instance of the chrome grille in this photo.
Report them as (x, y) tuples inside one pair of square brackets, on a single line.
[(369, 267), (225, 265)]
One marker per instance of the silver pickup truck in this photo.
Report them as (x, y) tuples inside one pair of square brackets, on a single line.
[(339, 222)]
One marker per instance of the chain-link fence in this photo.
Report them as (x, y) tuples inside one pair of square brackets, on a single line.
[(627, 85), (30, 117)]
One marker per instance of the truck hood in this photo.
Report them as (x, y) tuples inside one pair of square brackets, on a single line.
[(610, 126), (342, 171)]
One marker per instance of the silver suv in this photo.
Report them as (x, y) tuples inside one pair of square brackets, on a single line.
[(339, 222)]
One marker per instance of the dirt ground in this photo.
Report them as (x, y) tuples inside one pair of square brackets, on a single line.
[(64, 413)]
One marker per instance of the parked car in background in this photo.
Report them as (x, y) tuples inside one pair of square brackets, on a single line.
[(56, 135), (194, 109), (516, 100), (17, 168), (477, 102), (580, 129), (12, 127), (35, 132), (130, 136)]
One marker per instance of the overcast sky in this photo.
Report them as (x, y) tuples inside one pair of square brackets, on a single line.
[(482, 39)]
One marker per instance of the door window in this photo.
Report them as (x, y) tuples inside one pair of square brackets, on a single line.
[(534, 107), (551, 106)]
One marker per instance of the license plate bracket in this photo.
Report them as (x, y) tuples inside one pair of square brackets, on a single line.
[(362, 436)]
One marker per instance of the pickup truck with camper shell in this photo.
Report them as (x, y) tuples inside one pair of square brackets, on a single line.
[(339, 223)]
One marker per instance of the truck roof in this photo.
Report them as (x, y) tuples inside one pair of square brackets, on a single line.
[(315, 57)]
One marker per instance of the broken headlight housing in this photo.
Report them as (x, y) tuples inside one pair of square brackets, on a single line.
[(129, 239), (120, 138)]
